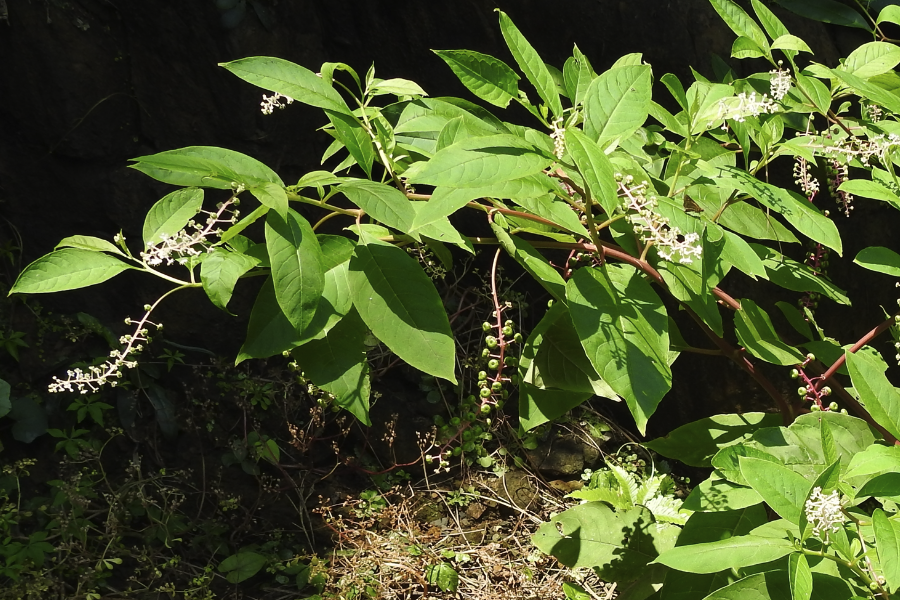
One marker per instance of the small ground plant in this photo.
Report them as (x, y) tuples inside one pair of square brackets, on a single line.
[(629, 216)]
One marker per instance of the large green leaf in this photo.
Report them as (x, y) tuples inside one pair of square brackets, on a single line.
[(783, 490), (685, 283), (879, 259), (827, 11), (531, 64), (887, 540), (757, 334), (874, 460), (577, 76), (703, 527), (206, 166), (731, 553), (171, 213), (800, 577), (874, 189), (623, 328), (873, 58), (67, 269), (350, 132), (533, 262), (595, 168), (337, 363), (553, 209), (727, 461), (617, 103), (384, 203), (220, 271), (487, 77), (88, 242), (798, 211), (537, 406), (481, 161), (399, 303), (717, 494), (615, 543), (775, 585), (795, 276), (882, 400), (741, 23), (869, 90), (741, 217), (296, 262), (288, 79), (242, 565), (697, 442)]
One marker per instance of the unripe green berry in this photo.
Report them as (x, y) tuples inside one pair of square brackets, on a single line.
[(457, 451), (467, 435), (471, 399), (507, 330), (469, 446), (833, 406), (508, 323), (490, 341), (499, 404), (493, 364), (485, 353), (814, 408), (518, 338), (802, 391), (485, 327), (485, 409), (470, 416), (795, 373), (826, 391), (811, 356), (482, 375), (485, 392), (497, 386), (510, 361)]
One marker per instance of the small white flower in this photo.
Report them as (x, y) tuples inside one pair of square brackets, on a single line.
[(824, 512), (653, 228), (738, 108)]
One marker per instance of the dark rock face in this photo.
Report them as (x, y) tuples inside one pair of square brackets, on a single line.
[(88, 84)]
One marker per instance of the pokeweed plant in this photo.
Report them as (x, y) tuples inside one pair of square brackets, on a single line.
[(612, 203)]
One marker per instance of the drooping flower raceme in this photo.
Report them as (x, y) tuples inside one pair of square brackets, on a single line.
[(653, 228), (270, 103), (558, 135), (824, 512), (192, 240), (780, 83), (738, 108)]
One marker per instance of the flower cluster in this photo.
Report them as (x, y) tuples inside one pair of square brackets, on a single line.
[(838, 174), (653, 228), (809, 185), (780, 82), (191, 241), (270, 103), (738, 108), (558, 135), (824, 512), (864, 150), (90, 380)]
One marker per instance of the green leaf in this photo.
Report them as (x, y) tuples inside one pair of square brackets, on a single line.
[(775, 585), (206, 166), (443, 576), (790, 42), (592, 535), (617, 103), (881, 399), (887, 540), (336, 249), (783, 489), (337, 363), (398, 87), (696, 443), (531, 64), (288, 79), (481, 161), (399, 303), (350, 132), (873, 58), (487, 77), (703, 527), (876, 190), (67, 269), (798, 211), (744, 47), (826, 11), (384, 203), (595, 168), (87, 242), (874, 460), (559, 363), (799, 577), (171, 213), (533, 262), (717, 494), (220, 271), (881, 486), (879, 259), (553, 209), (890, 13), (577, 76), (791, 275), (271, 195), (741, 23), (537, 406), (242, 566), (757, 334), (731, 553), (869, 90), (296, 262), (623, 328), (817, 91)]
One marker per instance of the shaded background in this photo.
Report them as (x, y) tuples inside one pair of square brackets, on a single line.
[(88, 84)]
